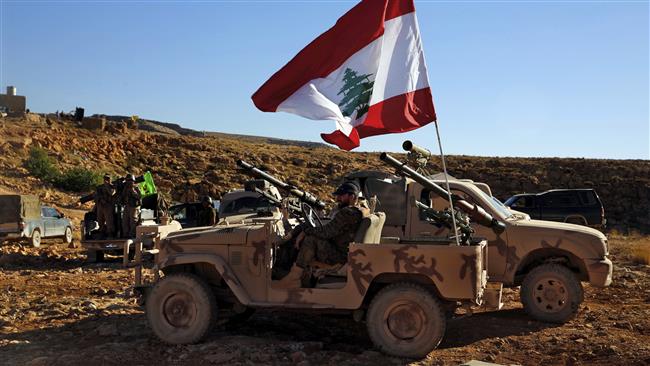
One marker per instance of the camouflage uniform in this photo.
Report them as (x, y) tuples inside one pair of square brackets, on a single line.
[(207, 217), (329, 243), (131, 199), (105, 206)]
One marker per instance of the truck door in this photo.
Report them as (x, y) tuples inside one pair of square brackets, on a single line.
[(51, 223), (497, 244)]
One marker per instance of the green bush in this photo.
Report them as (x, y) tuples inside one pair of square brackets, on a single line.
[(79, 179), (41, 165)]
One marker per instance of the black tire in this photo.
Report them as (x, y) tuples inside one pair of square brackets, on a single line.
[(36, 238), (94, 256), (181, 308), (406, 320), (67, 236), (551, 293)]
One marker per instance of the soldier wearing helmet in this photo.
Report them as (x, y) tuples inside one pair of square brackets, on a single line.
[(105, 207), (329, 243), (208, 215), (131, 199)]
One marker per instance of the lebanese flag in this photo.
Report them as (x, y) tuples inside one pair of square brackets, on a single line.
[(367, 74)]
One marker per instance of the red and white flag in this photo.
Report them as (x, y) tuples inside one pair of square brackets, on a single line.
[(367, 74)]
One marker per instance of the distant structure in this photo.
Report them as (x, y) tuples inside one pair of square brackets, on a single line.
[(12, 103)]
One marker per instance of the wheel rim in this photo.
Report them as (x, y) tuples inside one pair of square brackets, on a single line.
[(36, 238), (179, 310), (68, 235), (550, 295), (405, 321)]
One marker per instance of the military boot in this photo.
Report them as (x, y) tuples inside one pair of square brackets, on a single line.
[(291, 280)]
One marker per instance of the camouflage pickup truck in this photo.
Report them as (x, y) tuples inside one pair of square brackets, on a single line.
[(404, 289), (547, 259)]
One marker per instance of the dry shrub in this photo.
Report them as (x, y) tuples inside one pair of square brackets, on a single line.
[(641, 255), (635, 248)]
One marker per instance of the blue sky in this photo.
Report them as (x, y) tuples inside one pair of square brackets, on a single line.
[(520, 78)]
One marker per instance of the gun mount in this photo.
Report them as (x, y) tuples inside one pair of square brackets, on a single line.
[(476, 213), (288, 188), (418, 155), (444, 218)]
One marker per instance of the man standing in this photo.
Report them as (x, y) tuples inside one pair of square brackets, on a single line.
[(328, 244), (131, 200), (207, 216), (105, 207)]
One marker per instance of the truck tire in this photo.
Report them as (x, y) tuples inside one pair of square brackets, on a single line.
[(35, 240), (406, 320), (181, 308), (551, 293), (94, 256), (67, 236)]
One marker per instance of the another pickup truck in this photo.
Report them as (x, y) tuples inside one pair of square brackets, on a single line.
[(575, 206), (23, 217)]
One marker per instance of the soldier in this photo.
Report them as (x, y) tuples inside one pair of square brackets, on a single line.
[(131, 200), (105, 207), (327, 244), (207, 216)]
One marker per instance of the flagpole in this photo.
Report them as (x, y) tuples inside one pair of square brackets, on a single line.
[(444, 169)]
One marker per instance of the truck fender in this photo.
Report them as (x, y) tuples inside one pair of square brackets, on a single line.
[(219, 265)]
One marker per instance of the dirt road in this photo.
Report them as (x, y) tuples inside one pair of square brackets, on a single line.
[(57, 310)]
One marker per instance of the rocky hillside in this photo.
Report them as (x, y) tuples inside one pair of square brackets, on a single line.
[(188, 163)]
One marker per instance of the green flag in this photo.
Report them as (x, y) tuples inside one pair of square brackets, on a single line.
[(147, 188)]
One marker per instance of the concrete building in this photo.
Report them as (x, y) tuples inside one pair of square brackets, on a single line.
[(11, 102)]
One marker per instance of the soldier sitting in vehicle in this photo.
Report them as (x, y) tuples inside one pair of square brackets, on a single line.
[(207, 216), (328, 244), (105, 207)]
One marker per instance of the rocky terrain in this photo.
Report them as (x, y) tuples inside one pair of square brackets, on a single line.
[(56, 310), (188, 163)]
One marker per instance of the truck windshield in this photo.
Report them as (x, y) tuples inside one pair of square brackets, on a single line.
[(495, 204)]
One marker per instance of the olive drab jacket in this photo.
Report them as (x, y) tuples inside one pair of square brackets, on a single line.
[(105, 194), (341, 229), (131, 197)]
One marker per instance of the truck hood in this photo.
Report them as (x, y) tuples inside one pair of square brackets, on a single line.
[(220, 234), (581, 240)]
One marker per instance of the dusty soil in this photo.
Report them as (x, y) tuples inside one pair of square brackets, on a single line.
[(57, 310)]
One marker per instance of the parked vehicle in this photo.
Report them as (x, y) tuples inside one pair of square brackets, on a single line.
[(548, 260), (22, 217), (187, 214), (405, 290), (575, 206)]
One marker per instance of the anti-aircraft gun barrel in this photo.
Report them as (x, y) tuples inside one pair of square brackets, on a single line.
[(476, 212), (413, 148), (302, 195)]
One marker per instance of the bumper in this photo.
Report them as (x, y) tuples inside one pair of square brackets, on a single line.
[(600, 271)]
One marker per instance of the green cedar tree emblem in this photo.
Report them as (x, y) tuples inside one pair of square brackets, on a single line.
[(356, 91)]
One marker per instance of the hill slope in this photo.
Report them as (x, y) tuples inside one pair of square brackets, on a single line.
[(187, 164)]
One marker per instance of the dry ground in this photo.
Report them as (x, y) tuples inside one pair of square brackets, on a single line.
[(57, 310)]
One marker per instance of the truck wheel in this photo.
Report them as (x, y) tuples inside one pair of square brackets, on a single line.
[(551, 293), (94, 256), (36, 238), (181, 308), (406, 320), (67, 237)]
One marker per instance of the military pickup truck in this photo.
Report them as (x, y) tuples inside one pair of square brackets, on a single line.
[(549, 260), (404, 289), (22, 217)]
